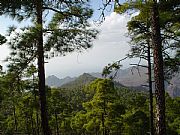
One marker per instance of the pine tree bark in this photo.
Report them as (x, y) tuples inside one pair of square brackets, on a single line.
[(41, 71), (35, 100), (158, 71), (150, 91)]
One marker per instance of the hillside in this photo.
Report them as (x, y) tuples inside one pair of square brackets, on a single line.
[(79, 81), (174, 87), (54, 81), (85, 79), (131, 78), (135, 78), (128, 77)]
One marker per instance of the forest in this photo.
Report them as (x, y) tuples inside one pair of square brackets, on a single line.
[(101, 106), (89, 110)]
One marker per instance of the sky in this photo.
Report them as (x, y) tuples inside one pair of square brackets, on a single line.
[(110, 46)]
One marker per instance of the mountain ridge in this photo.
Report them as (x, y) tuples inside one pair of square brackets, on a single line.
[(54, 81), (132, 78)]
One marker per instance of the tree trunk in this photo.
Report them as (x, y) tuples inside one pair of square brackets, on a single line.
[(150, 91), (103, 118), (37, 122), (103, 124), (57, 128), (15, 119), (27, 124), (158, 71), (35, 100), (41, 71), (32, 124)]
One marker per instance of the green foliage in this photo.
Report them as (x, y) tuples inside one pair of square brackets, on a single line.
[(140, 31), (137, 123), (79, 82), (98, 108), (67, 31), (80, 110), (110, 68), (173, 114), (103, 112), (61, 37), (2, 39)]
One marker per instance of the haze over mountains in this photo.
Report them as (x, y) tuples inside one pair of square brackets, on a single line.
[(130, 77), (54, 81)]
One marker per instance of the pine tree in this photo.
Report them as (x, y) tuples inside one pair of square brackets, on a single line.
[(156, 38), (68, 31)]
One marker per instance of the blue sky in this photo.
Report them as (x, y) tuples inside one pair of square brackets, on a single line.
[(111, 45)]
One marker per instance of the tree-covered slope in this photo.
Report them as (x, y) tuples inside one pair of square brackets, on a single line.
[(53, 81), (80, 81)]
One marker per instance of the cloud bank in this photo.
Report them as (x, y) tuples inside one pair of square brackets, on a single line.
[(110, 46)]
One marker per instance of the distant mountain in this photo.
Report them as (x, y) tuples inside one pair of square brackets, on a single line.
[(131, 77), (54, 81), (96, 74), (136, 79), (80, 81), (174, 87), (86, 79)]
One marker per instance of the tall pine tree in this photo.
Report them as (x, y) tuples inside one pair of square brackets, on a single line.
[(156, 38), (68, 31)]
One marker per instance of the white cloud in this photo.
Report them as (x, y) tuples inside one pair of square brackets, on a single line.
[(110, 46), (4, 51), (4, 24)]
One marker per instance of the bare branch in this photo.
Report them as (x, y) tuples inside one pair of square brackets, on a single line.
[(60, 12), (138, 65)]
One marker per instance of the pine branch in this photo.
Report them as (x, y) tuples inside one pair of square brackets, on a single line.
[(66, 14)]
